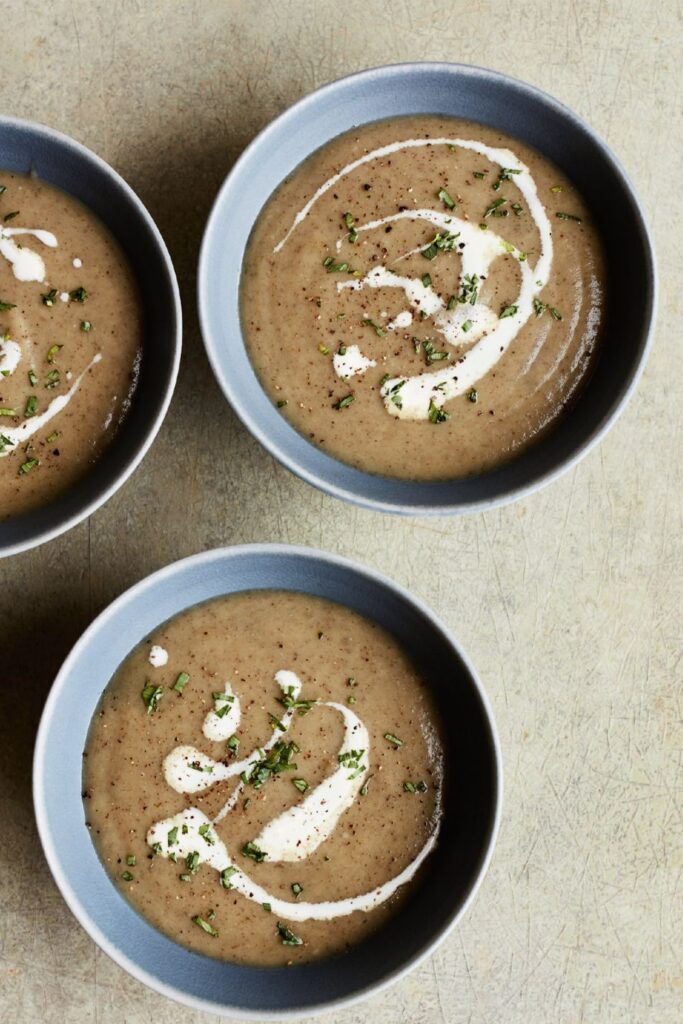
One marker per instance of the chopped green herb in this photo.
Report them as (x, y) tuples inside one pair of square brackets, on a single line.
[(49, 298), (297, 889), (32, 378), (505, 175), (233, 746), (86, 325), (3, 188), (352, 759), (246, 803), (343, 403), (223, 702), (5, 442), (451, 302), (8, 412), (351, 699), (78, 295), (181, 682), (364, 788), (507, 311), (539, 307), (11, 216), (443, 195), (185, 878), (336, 268), (473, 395), (4, 306), (555, 312), (323, 349), (278, 759), (517, 209), (205, 926), (27, 466), (287, 936), (568, 216), (130, 860), (417, 345), (348, 220), (250, 849), (52, 380), (31, 406), (52, 353), (156, 848), (127, 876), (192, 861), (469, 289), (426, 280), (394, 395), (300, 784), (431, 355), (415, 787), (351, 681), (341, 350), (440, 243), (197, 766), (226, 875), (379, 331), (267, 907), (466, 325), (52, 437), (493, 207), (151, 696), (290, 702), (480, 174), (282, 403), (556, 188), (172, 838), (274, 721), (205, 832), (390, 738), (328, 261)]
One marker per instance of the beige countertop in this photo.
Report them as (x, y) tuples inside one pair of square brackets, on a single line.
[(569, 602)]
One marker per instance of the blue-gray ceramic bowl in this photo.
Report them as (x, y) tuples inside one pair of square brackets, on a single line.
[(26, 147), (492, 99), (471, 804)]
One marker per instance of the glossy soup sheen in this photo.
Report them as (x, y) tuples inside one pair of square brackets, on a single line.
[(85, 307), (298, 312), (244, 640)]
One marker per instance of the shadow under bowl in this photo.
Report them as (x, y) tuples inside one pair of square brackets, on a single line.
[(28, 148), (451, 876), (452, 90)]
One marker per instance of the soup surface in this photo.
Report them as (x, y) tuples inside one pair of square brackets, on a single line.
[(423, 297), (70, 337), (263, 777)]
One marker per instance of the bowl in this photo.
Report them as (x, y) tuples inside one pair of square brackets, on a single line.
[(492, 99), (471, 801), (26, 147)]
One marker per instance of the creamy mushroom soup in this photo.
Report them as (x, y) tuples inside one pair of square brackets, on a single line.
[(423, 297), (263, 777), (70, 336)]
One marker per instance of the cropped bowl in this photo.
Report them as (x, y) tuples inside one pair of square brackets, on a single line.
[(30, 148), (492, 99), (472, 797)]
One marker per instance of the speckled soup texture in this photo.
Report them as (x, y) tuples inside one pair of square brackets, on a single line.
[(243, 641)]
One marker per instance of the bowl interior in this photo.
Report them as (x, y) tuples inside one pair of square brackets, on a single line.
[(28, 148), (459, 91), (471, 798)]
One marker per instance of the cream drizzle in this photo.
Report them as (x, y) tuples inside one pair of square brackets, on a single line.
[(17, 435), (489, 336), (293, 835), (221, 726), (352, 363), (158, 656), (27, 265), (10, 356)]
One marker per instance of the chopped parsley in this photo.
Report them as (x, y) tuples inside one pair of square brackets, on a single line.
[(205, 832), (78, 295), (49, 298), (437, 415), (127, 876), (426, 280), (507, 311), (469, 289), (226, 875), (506, 174), (440, 243), (233, 745), (277, 760), (172, 837)]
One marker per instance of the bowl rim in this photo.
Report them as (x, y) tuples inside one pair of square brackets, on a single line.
[(319, 479), (61, 682), (175, 336)]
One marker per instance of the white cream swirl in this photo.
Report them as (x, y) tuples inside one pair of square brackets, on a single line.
[(27, 265), (293, 835), (488, 335)]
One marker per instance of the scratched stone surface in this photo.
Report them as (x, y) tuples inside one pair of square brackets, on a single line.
[(569, 602)]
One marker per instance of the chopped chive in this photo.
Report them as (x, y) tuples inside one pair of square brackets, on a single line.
[(130, 860), (473, 395), (277, 723), (52, 437), (517, 209), (568, 216), (431, 354), (185, 877), (31, 406), (127, 876), (49, 298), (556, 188), (151, 696), (323, 349), (426, 280), (192, 861), (466, 325), (390, 738), (300, 784), (555, 312), (27, 466), (379, 331), (409, 787), (494, 206), (52, 353), (226, 875), (233, 745), (507, 311), (205, 926), (172, 837), (479, 174), (8, 412), (297, 889), (156, 849), (11, 216), (52, 380), (86, 325), (343, 403), (267, 907), (4, 306), (287, 936), (282, 403), (250, 849), (451, 302), (341, 350), (78, 295), (539, 307), (443, 195), (205, 833), (32, 378), (181, 682)]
